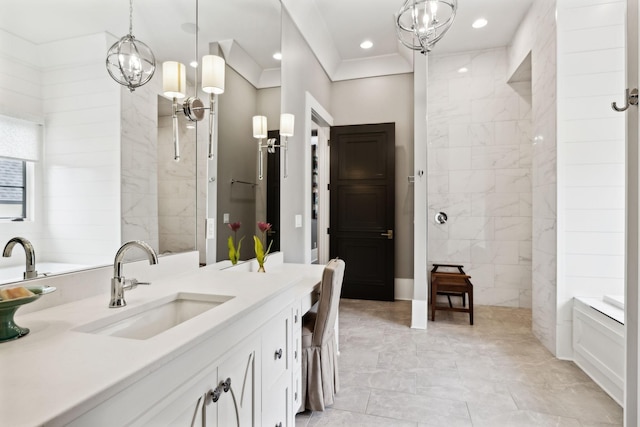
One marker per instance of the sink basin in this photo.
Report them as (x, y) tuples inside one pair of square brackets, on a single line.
[(149, 320)]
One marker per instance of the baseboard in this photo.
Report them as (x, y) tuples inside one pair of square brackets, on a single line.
[(419, 314), (403, 289)]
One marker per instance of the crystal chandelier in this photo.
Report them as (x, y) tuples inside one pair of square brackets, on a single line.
[(130, 62), (420, 24)]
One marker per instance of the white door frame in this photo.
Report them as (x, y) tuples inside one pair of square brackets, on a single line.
[(632, 297), (316, 113)]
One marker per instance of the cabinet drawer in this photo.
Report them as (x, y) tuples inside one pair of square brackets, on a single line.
[(276, 348)]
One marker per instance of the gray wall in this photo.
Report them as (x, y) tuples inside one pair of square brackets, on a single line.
[(238, 159), (382, 100), (301, 73)]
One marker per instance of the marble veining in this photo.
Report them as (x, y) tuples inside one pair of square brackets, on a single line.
[(479, 170)]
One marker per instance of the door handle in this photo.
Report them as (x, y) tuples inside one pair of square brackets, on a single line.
[(388, 234), (631, 98)]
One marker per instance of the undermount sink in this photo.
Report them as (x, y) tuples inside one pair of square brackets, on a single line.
[(149, 320)]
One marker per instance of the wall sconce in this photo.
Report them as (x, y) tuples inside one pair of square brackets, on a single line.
[(174, 82), (260, 132)]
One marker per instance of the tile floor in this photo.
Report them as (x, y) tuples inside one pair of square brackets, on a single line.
[(494, 373)]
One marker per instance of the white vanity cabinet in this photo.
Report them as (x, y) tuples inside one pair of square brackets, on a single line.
[(253, 338), (276, 371)]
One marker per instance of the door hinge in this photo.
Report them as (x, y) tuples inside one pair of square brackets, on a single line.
[(328, 187), (328, 231)]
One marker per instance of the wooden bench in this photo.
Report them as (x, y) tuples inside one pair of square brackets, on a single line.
[(449, 283)]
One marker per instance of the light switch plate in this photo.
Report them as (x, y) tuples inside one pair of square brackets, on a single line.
[(211, 228), (225, 218), (298, 221)]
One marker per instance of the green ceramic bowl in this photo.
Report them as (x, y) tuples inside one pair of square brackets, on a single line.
[(8, 329)]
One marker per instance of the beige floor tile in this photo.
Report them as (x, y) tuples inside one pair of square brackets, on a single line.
[(494, 373)]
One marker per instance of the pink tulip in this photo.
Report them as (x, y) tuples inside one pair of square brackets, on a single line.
[(234, 226), (264, 226)]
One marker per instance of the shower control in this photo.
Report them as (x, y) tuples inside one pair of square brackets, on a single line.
[(440, 218)]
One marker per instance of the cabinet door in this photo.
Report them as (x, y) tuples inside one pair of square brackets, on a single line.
[(184, 407), (275, 348), (276, 403), (241, 368)]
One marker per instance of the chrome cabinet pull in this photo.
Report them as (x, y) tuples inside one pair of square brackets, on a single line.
[(631, 98)]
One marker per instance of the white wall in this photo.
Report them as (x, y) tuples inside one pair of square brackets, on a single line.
[(479, 174), (82, 152), (21, 97), (591, 155)]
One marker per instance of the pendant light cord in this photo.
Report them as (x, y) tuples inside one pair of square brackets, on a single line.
[(196, 57), (131, 17)]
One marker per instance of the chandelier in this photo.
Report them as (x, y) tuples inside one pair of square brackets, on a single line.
[(130, 62), (420, 24)]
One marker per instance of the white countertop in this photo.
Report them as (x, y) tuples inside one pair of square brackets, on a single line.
[(55, 368)]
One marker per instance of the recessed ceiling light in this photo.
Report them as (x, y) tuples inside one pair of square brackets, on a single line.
[(194, 64), (479, 23), (277, 56), (463, 70), (367, 44)]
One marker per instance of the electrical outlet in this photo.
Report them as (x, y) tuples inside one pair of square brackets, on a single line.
[(225, 218), (211, 228)]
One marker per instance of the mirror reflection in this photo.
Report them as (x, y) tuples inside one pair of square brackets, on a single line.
[(103, 169)]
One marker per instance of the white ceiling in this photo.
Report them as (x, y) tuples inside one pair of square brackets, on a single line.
[(255, 26)]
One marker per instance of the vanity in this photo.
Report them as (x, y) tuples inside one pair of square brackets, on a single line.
[(230, 354)]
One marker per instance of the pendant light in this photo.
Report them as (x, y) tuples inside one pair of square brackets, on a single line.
[(130, 62), (420, 24)]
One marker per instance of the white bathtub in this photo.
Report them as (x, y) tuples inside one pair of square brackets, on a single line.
[(598, 341), (16, 273)]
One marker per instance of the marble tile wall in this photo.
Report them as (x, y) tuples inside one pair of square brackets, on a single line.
[(479, 173), (139, 163), (591, 155), (176, 187), (544, 173)]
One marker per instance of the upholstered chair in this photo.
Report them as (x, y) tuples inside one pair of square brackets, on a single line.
[(319, 348)]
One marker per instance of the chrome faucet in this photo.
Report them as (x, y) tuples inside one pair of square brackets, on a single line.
[(118, 283), (30, 271)]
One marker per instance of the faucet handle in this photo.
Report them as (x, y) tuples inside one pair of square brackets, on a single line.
[(133, 283)]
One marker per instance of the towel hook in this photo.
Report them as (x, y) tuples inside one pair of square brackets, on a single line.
[(631, 98)]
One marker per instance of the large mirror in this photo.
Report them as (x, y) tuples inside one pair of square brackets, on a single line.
[(104, 172)]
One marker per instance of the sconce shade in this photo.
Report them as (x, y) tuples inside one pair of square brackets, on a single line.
[(213, 74), (286, 124), (174, 79), (259, 127)]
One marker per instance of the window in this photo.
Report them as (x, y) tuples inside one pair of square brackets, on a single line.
[(13, 189)]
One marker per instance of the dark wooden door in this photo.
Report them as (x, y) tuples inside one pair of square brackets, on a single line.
[(362, 208), (273, 193)]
